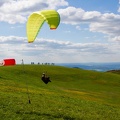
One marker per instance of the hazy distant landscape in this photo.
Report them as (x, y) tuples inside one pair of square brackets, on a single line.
[(93, 66)]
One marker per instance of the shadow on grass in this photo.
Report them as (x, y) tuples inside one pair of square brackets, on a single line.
[(48, 115)]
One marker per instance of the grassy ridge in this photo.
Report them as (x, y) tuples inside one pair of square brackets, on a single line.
[(73, 94)]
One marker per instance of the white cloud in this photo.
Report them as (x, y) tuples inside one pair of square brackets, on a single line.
[(78, 27), (56, 51), (119, 6), (11, 6), (67, 31), (12, 11), (119, 9), (42, 50), (75, 16), (116, 39), (17, 11), (12, 18), (107, 23)]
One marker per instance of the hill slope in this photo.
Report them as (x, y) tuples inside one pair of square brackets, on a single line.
[(73, 94), (115, 71)]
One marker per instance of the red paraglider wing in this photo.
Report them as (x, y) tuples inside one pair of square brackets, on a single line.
[(7, 62)]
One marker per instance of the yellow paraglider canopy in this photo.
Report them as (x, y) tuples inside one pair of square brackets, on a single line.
[(36, 20)]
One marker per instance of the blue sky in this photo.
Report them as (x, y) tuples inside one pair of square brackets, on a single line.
[(88, 32)]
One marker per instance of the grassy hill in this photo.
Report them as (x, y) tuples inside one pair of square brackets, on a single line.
[(115, 71), (73, 94)]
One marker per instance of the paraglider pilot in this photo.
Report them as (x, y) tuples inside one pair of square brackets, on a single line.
[(45, 79)]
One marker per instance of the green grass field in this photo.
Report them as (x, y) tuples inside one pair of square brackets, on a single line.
[(73, 94)]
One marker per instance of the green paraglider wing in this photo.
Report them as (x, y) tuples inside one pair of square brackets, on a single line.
[(36, 20)]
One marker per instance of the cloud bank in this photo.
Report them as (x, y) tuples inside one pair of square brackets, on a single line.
[(55, 50), (107, 23), (49, 50)]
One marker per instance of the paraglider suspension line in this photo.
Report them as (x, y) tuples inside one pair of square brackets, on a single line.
[(29, 101), (28, 95)]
